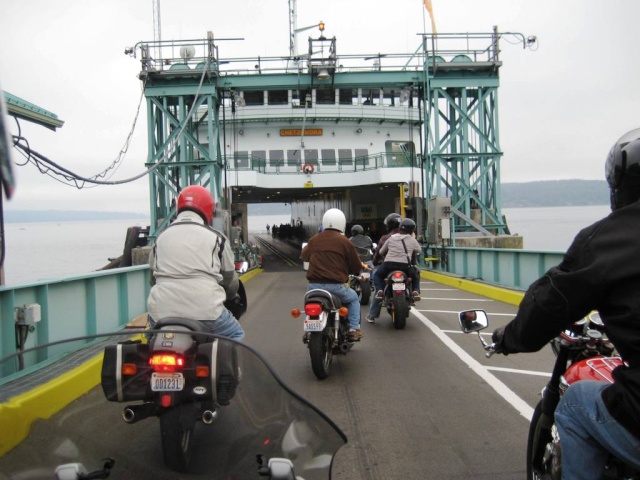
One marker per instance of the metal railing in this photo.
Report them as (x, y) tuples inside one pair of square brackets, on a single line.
[(178, 57), (105, 301), (336, 165), (99, 302), (510, 268)]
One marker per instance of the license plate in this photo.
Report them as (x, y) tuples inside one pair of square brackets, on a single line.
[(312, 325), (365, 275), (398, 287), (167, 382)]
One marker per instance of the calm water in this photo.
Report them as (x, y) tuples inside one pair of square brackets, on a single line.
[(552, 228), (40, 251)]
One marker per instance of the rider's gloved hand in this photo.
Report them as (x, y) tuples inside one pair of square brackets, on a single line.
[(497, 338)]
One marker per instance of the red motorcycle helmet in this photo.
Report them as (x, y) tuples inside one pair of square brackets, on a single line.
[(197, 199)]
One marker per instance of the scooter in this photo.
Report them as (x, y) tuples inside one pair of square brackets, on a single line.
[(582, 352)]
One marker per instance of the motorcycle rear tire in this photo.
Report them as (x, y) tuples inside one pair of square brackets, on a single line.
[(539, 437), (321, 352), (364, 292), (176, 431), (400, 311)]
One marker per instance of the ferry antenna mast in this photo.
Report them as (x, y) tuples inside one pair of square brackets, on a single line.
[(157, 31)]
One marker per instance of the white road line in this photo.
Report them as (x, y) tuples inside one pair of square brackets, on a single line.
[(458, 299), (521, 372), (520, 405), (457, 311), (443, 289)]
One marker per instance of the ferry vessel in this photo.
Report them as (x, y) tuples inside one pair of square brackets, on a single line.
[(415, 133)]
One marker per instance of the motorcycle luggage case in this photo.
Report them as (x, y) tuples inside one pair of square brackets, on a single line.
[(225, 372), (117, 388)]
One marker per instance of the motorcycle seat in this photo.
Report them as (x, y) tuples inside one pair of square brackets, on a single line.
[(194, 325), (328, 299)]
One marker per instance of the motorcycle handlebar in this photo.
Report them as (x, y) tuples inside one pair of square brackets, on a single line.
[(490, 348)]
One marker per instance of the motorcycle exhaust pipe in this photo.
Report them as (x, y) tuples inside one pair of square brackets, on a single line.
[(135, 413), (344, 347), (128, 415), (208, 417)]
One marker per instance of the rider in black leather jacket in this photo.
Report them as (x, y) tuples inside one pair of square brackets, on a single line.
[(600, 271)]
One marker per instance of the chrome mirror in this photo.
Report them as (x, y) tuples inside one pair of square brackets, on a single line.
[(473, 320)]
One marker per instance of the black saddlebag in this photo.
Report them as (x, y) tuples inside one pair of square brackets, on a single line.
[(125, 388)]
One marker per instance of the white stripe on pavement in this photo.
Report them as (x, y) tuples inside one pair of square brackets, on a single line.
[(521, 372), (520, 405)]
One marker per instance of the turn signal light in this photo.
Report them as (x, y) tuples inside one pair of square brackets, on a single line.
[(313, 309), (202, 371), (129, 369), (295, 312), (344, 311), (166, 362)]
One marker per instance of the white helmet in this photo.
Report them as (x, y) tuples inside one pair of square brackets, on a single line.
[(334, 219)]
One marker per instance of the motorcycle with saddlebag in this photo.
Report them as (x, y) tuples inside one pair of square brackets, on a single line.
[(182, 375)]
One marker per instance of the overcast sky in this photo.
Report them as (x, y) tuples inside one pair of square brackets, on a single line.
[(561, 106)]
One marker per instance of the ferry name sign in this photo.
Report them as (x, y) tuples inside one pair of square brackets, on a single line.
[(296, 132)]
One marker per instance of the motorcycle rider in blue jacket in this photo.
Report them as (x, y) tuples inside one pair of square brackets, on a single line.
[(600, 271)]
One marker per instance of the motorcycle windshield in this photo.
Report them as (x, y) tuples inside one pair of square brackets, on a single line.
[(53, 412)]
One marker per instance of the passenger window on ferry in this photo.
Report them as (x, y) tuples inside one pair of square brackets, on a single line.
[(294, 157), (278, 97), (276, 158), (345, 156), (241, 159), (371, 96), (391, 98), (254, 98), (362, 156), (348, 96), (325, 96), (311, 156), (258, 158), (328, 156)]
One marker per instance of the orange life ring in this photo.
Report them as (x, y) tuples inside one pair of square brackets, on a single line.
[(308, 168)]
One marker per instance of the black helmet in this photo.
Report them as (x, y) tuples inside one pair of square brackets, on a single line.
[(622, 170), (357, 230), (392, 221), (407, 226)]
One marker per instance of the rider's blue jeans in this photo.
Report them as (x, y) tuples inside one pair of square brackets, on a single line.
[(347, 296), (587, 432), (374, 305)]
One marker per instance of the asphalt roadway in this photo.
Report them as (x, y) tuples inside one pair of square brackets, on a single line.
[(418, 403)]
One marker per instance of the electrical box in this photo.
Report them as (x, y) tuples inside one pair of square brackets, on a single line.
[(444, 228), (439, 222), (27, 314)]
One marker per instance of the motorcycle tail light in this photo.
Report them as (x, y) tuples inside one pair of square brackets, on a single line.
[(313, 309), (398, 276), (166, 362), (129, 369), (165, 401), (202, 371)]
